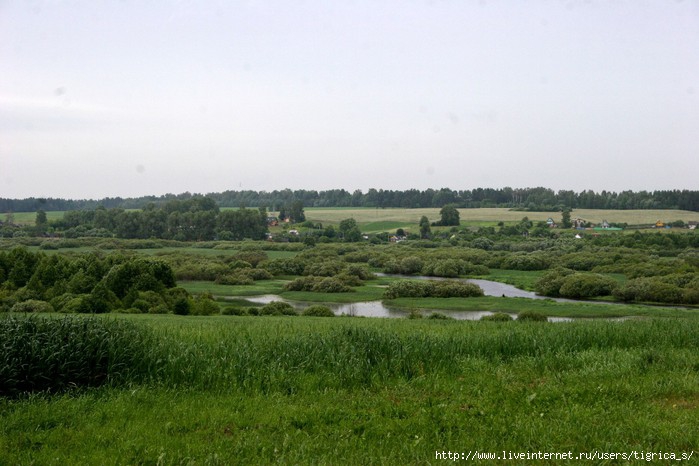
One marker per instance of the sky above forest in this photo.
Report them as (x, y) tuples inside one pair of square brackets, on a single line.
[(129, 98)]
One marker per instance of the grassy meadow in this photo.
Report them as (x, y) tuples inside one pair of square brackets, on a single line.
[(226, 390), (128, 388)]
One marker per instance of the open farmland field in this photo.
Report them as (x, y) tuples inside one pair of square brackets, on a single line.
[(28, 218), (372, 219), (385, 219)]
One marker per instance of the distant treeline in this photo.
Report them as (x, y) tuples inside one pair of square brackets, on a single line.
[(533, 199)]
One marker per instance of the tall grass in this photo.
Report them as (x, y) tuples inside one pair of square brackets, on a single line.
[(55, 354), (277, 355), (282, 355)]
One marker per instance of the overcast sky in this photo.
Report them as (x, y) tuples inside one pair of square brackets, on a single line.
[(128, 98)]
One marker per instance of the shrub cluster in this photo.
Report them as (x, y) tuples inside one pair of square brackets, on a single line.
[(318, 285), (91, 283), (675, 289), (434, 267), (431, 289), (575, 285)]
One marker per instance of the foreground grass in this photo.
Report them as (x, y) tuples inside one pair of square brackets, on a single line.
[(373, 391)]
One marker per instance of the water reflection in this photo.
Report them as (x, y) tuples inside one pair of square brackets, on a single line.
[(378, 309)]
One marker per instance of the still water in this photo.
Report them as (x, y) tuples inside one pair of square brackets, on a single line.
[(378, 309)]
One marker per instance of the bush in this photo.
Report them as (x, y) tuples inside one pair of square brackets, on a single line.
[(252, 257), (182, 306), (550, 283), (499, 317), (531, 316), (439, 316), (431, 289), (587, 285), (443, 268), (454, 289), (278, 308), (525, 261), (32, 305), (318, 285), (292, 266), (327, 268), (79, 304), (204, 305), (234, 311), (318, 311), (650, 289)]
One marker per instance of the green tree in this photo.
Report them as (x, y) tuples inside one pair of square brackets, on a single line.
[(425, 230), (449, 216), (349, 231), (296, 212), (41, 222), (565, 219)]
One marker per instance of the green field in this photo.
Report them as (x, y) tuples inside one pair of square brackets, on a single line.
[(411, 217), (375, 220), (231, 390)]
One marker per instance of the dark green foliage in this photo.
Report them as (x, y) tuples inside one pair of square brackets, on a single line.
[(325, 268), (139, 274), (41, 354), (291, 266), (531, 316), (234, 279), (406, 266), (584, 261), (450, 268), (182, 306), (565, 219), (587, 285), (349, 230), (204, 305), (656, 289), (550, 283), (32, 305), (449, 216), (431, 289), (439, 316), (482, 243), (318, 311), (278, 308), (252, 257), (318, 285), (498, 317), (524, 261), (425, 230)]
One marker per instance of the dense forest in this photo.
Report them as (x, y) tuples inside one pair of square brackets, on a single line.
[(534, 199)]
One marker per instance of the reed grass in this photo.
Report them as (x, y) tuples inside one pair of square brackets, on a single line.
[(55, 354)]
